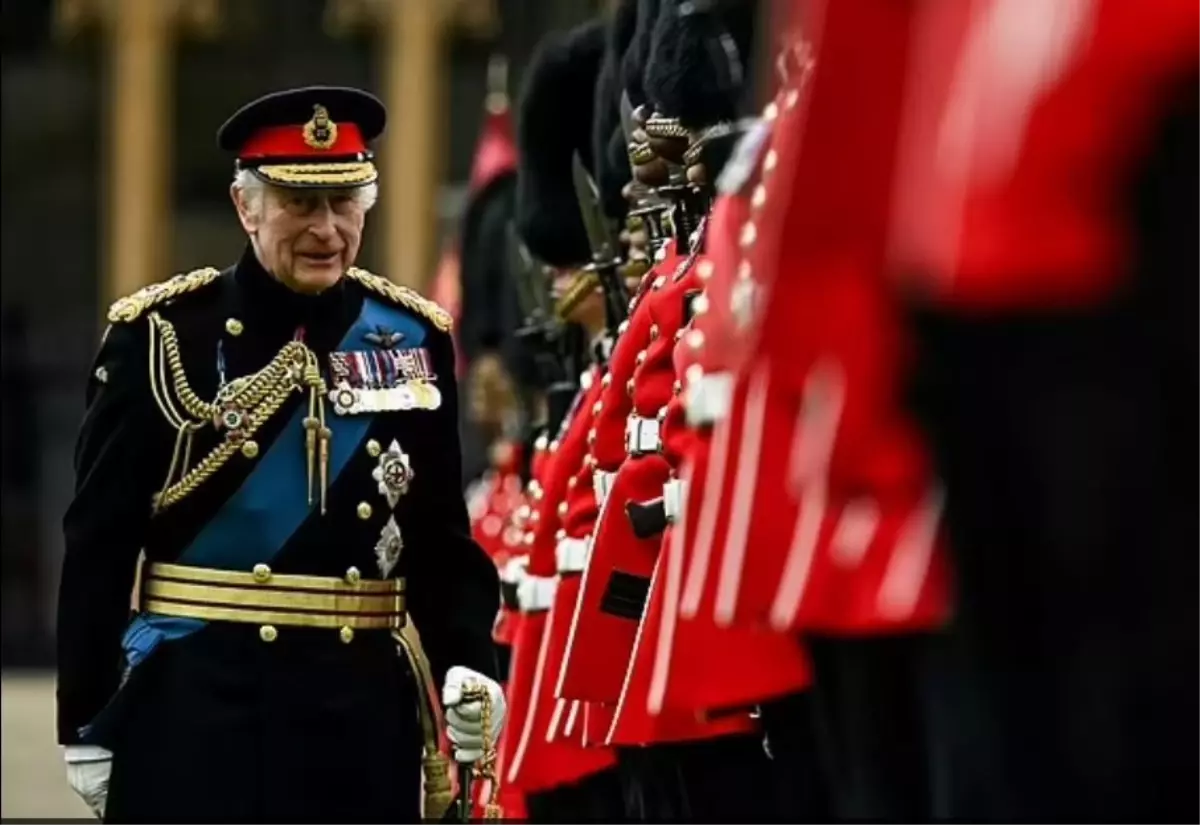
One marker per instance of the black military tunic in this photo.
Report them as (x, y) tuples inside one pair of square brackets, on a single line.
[(222, 720)]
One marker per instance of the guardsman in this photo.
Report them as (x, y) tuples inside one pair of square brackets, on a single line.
[(561, 780), (1047, 250), (563, 719), (828, 505), (280, 439), (669, 762), (674, 659)]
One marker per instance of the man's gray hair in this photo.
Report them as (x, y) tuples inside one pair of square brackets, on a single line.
[(253, 187)]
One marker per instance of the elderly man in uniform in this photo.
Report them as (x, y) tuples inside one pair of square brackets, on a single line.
[(280, 440)]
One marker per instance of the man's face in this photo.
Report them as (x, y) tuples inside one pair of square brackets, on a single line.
[(306, 238)]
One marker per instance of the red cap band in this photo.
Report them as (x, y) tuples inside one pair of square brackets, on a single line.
[(292, 141)]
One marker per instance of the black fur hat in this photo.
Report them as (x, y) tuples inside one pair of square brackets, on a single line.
[(633, 62), (699, 65), (554, 122), (606, 120)]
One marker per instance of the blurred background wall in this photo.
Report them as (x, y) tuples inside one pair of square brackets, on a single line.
[(111, 179)]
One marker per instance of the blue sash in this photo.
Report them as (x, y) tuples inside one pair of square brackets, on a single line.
[(257, 521)]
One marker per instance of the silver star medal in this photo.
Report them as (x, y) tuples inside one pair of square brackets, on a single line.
[(393, 474), (387, 549)]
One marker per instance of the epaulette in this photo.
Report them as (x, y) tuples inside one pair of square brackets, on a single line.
[(403, 296), (131, 307)]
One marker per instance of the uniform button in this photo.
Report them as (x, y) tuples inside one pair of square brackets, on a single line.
[(704, 269), (679, 333), (233, 326), (353, 576), (572, 481), (541, 443), (250, 448), (624, 325), (262, 572), (694, 373), (629, 386), (748, 235), (700, 305), (654, 332), (364, 510), (560, 535), (553, 448), (661, 415), (528, 539), (590, 461), (591, 436), (677, 387), (659, 282), (535, 490), (770, 160), (597, 407), (346, 634), (770, 112), (632, 304), (793, 96), (641, 358), (695, 339), (744, 271), (373, 448), (607, 379), (759, 196), (562, 509), (268, 633), (535, 517), (101, 375)]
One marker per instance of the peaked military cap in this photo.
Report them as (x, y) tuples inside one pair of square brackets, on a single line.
[(316, 136)]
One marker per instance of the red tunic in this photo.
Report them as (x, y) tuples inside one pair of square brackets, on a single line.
[(528, 761), (599, 643), (754, 665), (827, 505), (641, 478)]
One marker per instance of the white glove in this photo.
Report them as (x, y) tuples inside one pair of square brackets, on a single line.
[(88, 769), (514, 570), (464, 719)]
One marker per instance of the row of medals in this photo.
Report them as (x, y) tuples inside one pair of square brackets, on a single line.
[(408, 395)]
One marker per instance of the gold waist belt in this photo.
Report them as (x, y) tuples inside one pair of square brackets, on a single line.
[(264, 597)]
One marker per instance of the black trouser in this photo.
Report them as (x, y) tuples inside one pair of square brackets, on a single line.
[(595, 798), (223, 728), (724, 779), (801, 792), (1076, 563), (878, 734)]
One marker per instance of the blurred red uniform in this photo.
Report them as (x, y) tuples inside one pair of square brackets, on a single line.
[(757, 664), (642, 477), (528, 761), (828, 504), (495, 504)]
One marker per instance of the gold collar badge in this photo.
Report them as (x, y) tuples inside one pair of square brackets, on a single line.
[(320, 132)]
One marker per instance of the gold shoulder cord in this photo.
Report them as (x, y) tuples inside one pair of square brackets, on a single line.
[(240, 409)]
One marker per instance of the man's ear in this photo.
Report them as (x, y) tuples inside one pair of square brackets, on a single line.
[(247, 210)]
